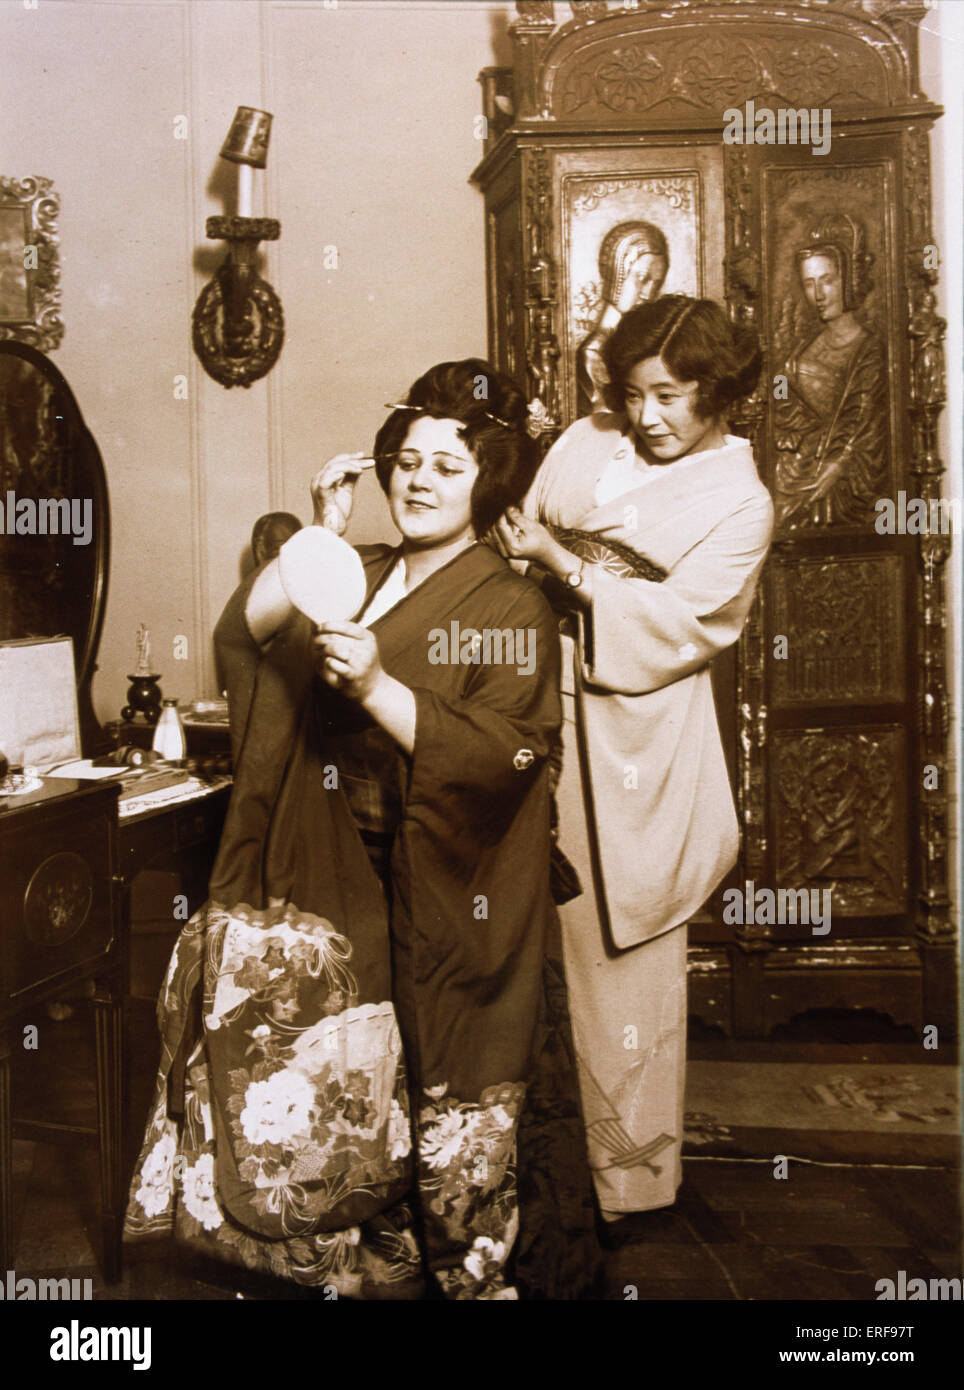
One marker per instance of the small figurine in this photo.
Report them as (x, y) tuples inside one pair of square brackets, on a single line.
[(143, 666)]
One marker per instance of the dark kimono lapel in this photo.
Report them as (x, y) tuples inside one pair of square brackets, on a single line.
[(434, 602)]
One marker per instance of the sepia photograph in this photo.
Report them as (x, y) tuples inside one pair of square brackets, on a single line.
[(480, 669)]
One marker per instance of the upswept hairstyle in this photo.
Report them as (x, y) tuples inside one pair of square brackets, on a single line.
[(493, 414), (696, 341)]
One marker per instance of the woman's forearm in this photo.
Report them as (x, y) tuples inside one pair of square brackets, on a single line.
[(392, 705), (268, 607), (559, 561)]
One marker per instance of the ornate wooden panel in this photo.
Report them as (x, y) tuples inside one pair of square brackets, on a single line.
[(506, 287), (833, 426), (846, 619), (840, 816), (834, 704), (721, 67), (632, 224)]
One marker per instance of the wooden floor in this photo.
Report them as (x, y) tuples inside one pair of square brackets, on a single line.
[(734, 1233), (826, 1232)]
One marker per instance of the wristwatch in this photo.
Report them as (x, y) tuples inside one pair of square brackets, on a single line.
[(574, 578)]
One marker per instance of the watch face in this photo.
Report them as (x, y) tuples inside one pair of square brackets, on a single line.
[(574, 579)]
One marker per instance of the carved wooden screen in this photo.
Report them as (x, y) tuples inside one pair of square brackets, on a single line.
[(833, 706)]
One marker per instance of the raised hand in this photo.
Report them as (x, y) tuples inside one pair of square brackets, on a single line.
[(333, 490)]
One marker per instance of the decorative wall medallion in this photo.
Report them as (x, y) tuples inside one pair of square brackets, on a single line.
[(238, 322), (58, 899), (846, 617)]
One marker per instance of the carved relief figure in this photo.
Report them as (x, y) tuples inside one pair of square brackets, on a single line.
[(927, 331), (543, 360), (633, 261), (831, 431)]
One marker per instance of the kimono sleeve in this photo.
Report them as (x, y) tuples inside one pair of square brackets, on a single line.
[(238, 657), (644, 635), (475, 755)]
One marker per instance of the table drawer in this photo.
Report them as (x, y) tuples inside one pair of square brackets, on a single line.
[(195, 823)]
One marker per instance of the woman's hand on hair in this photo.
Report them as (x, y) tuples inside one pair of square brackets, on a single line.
[(521, 537), (333, 490)]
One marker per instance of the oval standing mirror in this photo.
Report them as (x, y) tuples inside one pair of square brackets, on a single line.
[(54, 518)]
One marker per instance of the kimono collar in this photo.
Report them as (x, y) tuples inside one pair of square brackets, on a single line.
[(476, 563), (580, 457)]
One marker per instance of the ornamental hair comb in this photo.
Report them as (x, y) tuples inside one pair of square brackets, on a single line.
[(400, 405)]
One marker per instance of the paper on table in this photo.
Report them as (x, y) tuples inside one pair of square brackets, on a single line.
[(38, 711), (82, 768)]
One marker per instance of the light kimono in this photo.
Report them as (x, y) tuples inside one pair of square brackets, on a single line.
[(646, 812), (661, 798)]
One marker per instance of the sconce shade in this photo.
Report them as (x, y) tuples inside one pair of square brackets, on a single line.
[(247, 140)]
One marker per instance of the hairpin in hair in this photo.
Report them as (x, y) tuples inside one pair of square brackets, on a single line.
[(401, 405)]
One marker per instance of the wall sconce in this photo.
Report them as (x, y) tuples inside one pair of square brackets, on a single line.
[(238, 321)]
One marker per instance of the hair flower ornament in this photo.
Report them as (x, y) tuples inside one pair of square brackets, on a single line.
[(539, 420)]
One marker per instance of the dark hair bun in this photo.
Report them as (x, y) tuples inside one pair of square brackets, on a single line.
[(493, 414)]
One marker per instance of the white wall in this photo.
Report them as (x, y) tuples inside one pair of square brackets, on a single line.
[(372, 145)]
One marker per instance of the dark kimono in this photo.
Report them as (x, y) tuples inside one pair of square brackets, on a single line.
[(348, 1023)]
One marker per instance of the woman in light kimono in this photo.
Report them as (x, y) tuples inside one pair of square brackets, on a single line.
[(652, 521), (350, 1022)]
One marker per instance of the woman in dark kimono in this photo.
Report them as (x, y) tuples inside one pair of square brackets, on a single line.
[(348, 1023)]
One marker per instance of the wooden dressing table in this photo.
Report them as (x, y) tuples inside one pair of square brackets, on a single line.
[(67, 860), (61, 926)]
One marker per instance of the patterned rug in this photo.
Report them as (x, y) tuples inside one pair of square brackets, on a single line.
[(861, 1113)]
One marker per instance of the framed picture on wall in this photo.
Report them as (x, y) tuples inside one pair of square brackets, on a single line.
[(30, 263), (634, 226)]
